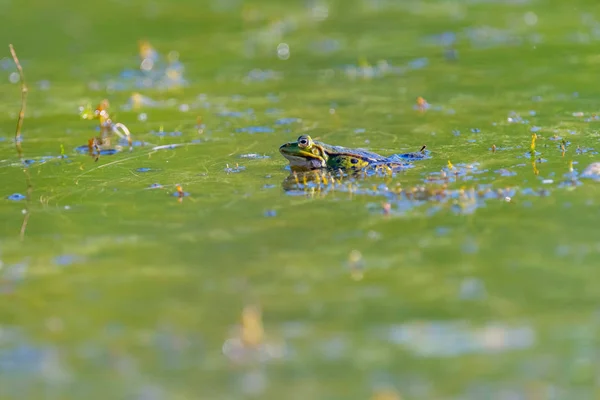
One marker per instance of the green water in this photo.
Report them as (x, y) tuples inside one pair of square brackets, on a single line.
[(117, 291)]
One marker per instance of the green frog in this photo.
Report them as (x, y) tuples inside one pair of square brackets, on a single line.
[(306, 154)]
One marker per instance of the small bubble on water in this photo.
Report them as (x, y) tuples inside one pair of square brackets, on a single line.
[(471, 289), (44, 85), (270, 213), (373, 235), (470, 246), (143, 117), (147, 64), (14, 77), (254, 383), (54, 324), (530, 18), (562, 250), (283, 51), (320, 12), (173, 56)]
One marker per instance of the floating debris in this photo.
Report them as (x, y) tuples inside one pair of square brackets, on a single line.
[(138, 101), (422, 104), (259, 75), (356, 265), (170, 146), (179, 192), (107, 127), (385, 394), (238, 168), (153, 72), (254, 156), (592, 171), (86, 150), (162, 133), (249, 343), (456, 338)]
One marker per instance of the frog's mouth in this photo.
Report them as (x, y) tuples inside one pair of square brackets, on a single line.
[(300, 159)]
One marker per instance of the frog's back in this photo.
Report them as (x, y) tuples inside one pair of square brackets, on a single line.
[(346, 152)]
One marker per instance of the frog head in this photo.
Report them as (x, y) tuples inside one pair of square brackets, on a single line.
[(304, 154)]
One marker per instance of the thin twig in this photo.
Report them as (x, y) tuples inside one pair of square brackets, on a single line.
[(23, 101), (28, 202)]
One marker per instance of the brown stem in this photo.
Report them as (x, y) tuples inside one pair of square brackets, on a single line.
[(23, 101)]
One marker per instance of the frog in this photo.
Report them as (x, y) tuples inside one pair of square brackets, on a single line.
[(306, 154)]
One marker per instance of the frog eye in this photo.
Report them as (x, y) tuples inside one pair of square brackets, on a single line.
[(303, 142)]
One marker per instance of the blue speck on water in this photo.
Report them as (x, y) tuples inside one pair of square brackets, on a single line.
[(143, 169), (177, 194), (269, 186), (471, 140), (82, 149), (287, 121), (28, 162), (66, 259), (128, 73), (532, 113), (470, 246), (235, 114), (418, 63), (255, 129), (270, 213), (85, 150), (505, 172), (447, 38), (562, 250), (535, 128), (442, 230), (155, 186), (2, 139), (475, 130), (16, 197), (360, 130), (456, 132)]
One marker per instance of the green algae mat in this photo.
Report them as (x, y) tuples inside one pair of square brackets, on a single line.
[(176, 256)]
